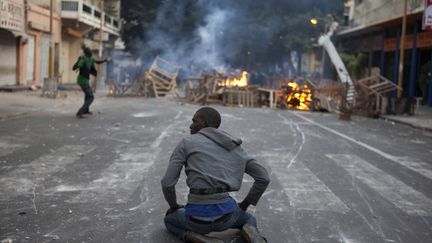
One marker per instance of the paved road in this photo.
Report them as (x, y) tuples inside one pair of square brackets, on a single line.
[(97, 179)]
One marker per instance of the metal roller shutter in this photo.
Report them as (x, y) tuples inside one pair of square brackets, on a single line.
[(30, 58), (8, 58), (44, 49)]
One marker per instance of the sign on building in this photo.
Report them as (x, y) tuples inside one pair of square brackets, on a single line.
[(12, 15), (427, 16)]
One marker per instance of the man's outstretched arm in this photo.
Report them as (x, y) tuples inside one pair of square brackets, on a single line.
[(102, 61), (262, 179)]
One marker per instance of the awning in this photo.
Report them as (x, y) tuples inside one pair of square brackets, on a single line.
[(17, 33), (411, 17)]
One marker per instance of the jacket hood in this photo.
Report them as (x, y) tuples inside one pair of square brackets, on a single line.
[(221, 138)]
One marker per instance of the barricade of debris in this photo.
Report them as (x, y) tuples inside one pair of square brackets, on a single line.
[(230, 89)]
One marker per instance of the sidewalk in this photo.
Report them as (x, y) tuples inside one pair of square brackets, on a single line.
[(422, 120), (18, 104)]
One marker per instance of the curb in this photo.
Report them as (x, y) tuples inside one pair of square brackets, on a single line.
[(428, 129)]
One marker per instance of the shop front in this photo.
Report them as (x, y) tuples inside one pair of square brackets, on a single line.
[(12, 39)]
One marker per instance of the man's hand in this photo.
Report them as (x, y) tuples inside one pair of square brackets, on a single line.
[(172, 210), (244, 205)]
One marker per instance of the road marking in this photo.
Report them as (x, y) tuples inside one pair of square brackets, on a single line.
[(23, 179), (7, 148), (306, 191), (419, 167), (163, 134), (296, 129), (398, 193), (119, 180)]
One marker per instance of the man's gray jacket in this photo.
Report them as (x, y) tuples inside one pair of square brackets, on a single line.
[(213, 159)]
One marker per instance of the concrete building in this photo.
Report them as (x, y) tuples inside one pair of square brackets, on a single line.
[(12, 42), (375, 30), (82, 23), (43, 42), (43, 38), (311, 63)]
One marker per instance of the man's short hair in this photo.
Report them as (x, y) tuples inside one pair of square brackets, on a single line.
[(210, 116), (87, 51)]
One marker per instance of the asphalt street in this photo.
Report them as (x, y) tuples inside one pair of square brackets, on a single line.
[(64, 179)]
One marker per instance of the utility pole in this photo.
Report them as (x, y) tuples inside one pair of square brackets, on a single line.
[(100, 51), (102, 20), (51, 48), (402, 50)]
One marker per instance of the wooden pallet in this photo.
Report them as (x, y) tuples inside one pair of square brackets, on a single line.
[(162, 76)]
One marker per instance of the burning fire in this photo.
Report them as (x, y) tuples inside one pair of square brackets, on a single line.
[(235, 82), (298, 97)]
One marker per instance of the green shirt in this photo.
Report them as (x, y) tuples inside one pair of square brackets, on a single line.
[(88, 62)]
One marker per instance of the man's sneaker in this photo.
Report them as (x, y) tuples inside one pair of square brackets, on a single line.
[(197, 238), (89, 113), (81, 116), (251, 235)]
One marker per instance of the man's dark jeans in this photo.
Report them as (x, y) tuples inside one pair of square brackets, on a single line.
[(88, 99), (178, 223)]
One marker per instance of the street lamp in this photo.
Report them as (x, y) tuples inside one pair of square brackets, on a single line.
[(314, 21), (326, 21)]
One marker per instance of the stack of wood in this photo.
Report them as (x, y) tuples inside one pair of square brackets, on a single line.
[(162, 75), (372, 93), (241, 96), (204, 89), (138, 87), (208, 88)]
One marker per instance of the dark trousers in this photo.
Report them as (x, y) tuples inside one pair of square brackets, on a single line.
[(88, 99)]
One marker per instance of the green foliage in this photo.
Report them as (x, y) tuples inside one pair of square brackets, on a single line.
[(355, 64)]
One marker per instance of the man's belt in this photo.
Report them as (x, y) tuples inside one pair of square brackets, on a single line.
[(208, 191), (224, 218)]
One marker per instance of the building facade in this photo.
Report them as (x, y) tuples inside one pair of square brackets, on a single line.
[(43, 38), (375, 28), (43, 42), (82, 22), (12, 41)]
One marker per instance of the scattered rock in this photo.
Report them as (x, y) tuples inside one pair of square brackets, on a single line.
[(22, 213), (70, 211)]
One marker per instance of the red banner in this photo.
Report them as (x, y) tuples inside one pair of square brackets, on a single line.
[(427, 16)]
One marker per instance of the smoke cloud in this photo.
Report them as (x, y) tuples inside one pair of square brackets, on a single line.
[(225, 33)]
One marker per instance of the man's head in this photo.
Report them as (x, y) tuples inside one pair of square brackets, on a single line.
[(205, 117), (87, 52)]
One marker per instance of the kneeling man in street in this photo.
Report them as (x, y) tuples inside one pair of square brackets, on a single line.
[(214, 164)]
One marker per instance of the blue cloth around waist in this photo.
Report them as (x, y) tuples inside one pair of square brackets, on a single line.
[(210, 210)]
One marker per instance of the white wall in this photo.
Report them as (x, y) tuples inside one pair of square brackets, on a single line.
[(370, 11)]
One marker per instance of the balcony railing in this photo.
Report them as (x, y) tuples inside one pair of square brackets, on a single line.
[(86, 13)]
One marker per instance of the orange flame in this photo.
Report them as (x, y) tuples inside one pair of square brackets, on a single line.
[(235, 82), (298, 98)]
